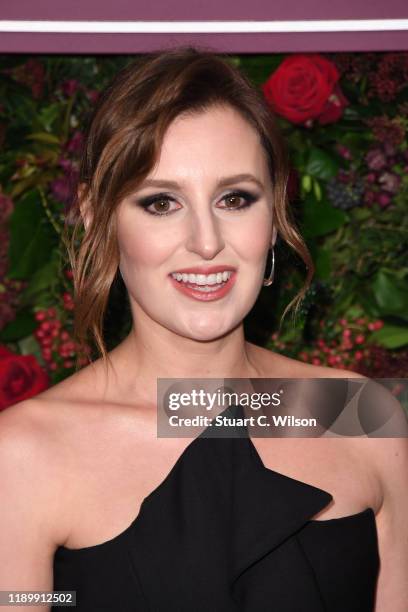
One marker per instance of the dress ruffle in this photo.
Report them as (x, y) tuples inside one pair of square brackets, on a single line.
[(229, 525)]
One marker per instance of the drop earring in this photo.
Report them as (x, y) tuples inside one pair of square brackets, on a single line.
[(268, 281)]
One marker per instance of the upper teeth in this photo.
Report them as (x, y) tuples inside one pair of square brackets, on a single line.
[(203, 279)]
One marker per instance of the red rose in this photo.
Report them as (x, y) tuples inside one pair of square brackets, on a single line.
[(21, 377), (304, 88), (5, 352)]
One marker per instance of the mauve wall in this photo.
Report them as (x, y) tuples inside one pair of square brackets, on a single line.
[(197, 10)]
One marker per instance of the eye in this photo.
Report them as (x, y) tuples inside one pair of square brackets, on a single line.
[(159, 204), (234, 197)]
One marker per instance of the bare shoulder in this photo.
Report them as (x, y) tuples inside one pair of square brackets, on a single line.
[(390, 458), (273, 364), (384, 450), (34, 493), (26, 428), (33, 464), (63, 443), (39, 440)]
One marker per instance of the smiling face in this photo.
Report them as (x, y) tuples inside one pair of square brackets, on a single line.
[(191, 218)]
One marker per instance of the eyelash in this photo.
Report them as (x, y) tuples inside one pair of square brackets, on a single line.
[(148, 201)]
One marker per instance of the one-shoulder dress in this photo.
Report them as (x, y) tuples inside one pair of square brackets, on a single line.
[(224, 533)]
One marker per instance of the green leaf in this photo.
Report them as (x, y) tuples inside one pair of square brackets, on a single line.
[(320, 217), (361, 214), (391, 336), (354, 311), (369, 305), (317, 189), (260, 67), (350, 113), (391, 294), (31, 237), (23, 325), (30, 346), (44, 137), (307, 182), (322, 261), (321, 165), (48, 116), (43, 279)]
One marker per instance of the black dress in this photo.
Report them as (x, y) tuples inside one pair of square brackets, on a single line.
[(223, 533)]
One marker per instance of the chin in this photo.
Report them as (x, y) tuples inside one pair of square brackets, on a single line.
[(206, 331)]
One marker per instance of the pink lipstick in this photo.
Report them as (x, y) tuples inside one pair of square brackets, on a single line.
[(202, 291)]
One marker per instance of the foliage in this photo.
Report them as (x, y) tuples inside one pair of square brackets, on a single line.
[(349, 194), (351, 203)]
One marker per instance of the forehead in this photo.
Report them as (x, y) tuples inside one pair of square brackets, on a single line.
[(216, 139)]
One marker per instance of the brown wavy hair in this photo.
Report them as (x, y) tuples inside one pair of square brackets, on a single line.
[(122, 144)]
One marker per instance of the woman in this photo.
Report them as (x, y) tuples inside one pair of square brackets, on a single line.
[(184, 173)]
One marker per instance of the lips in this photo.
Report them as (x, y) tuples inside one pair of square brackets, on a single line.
[(201, 296), (204, 270)]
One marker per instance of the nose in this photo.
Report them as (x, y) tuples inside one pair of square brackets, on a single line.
[(205, 236)]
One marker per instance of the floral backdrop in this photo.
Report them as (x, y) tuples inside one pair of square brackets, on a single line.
[(345, 117)]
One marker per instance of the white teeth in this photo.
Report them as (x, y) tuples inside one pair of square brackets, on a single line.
[(206, 288), (203, 279)]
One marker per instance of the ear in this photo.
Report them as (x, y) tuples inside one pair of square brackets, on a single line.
[(274, 235), (84, 206)]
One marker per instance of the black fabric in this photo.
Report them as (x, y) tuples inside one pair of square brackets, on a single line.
[(223, 533)]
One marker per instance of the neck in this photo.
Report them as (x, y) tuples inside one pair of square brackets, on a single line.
[(151, 352)]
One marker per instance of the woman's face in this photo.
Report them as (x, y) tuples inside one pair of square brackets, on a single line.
[(198, 214)]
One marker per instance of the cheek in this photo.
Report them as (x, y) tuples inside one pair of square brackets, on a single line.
[(142, 247), (254, 237)]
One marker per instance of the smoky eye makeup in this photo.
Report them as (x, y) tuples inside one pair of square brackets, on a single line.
[(247, 199)]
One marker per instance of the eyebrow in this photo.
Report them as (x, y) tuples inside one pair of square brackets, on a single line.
[(223, 182)]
